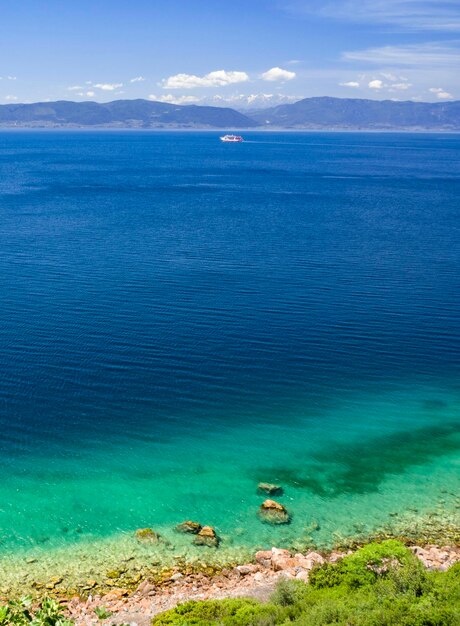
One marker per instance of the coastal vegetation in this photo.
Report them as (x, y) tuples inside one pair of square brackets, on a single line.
[(379, 585), (21, 613)]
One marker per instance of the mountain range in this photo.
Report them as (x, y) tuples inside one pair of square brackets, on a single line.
[(310, 113)]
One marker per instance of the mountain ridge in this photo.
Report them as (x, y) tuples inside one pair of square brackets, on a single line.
[(120, 114), (360, 113), (317, 113)]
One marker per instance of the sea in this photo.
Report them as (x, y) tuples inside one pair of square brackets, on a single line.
[(181, 319)]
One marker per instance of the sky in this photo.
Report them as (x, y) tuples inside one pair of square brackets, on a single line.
[(251, 53)]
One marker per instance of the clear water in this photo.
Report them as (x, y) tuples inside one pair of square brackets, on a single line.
[(181, 318)]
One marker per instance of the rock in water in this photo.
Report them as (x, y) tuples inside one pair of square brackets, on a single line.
[(272, 512), (192, 528), (207, 537), (270, 489), (147, 535)]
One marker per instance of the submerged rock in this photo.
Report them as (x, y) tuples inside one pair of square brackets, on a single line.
[(272, 512), (314, 525), (54, 582), (147, 535), (207, 537), (90, 584), (114, 573), (190, 527), (269, 489)]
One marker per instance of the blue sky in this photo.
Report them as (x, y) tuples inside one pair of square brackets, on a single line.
[(230, 52)]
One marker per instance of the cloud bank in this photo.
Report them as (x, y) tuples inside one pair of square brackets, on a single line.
[(108, 86), (406, 15), (218, 78), (441, 93), (425, 54), (277, 73)]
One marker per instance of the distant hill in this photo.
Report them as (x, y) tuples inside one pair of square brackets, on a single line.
[(310, 113), (345, 113), (120, 114)]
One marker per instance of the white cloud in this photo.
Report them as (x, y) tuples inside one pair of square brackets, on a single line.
[(277, 73), (88, 94), (441, 94), (108, 86), (172, 99), (426, 55), (137, 79), (11, 98), (74, 88), (218, 78), (389, 76), (400, 86), (378, 84), (444, 95)]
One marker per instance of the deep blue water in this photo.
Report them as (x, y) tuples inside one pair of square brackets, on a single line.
[(173, 307)]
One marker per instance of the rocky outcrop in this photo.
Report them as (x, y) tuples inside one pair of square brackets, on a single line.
[(435, 557), (269, 489), (189, 527), (280, 560), (256, 579), (272, 512), (147, 535), (207, 537)]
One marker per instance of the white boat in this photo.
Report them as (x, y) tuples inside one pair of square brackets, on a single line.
[(232, 138)]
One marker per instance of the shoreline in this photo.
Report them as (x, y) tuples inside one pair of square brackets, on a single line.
[(256, 579), (259, 129), (99, 567)]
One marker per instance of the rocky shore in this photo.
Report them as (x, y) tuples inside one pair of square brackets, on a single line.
[(255, 579), (132, 578)]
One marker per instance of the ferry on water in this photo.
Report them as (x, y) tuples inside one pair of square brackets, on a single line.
[(232, 138)]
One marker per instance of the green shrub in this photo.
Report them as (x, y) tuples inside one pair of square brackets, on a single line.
[(380, 585), (363, 567), (102, 612), (286, 593), (412, 579), (20, 613), (230, 612)]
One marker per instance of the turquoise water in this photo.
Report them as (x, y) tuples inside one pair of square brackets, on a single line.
[(181, 319)]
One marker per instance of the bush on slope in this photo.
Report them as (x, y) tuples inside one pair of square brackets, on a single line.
[(379, 585)]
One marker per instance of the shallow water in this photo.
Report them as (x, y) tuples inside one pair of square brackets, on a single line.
[(181, 319)]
